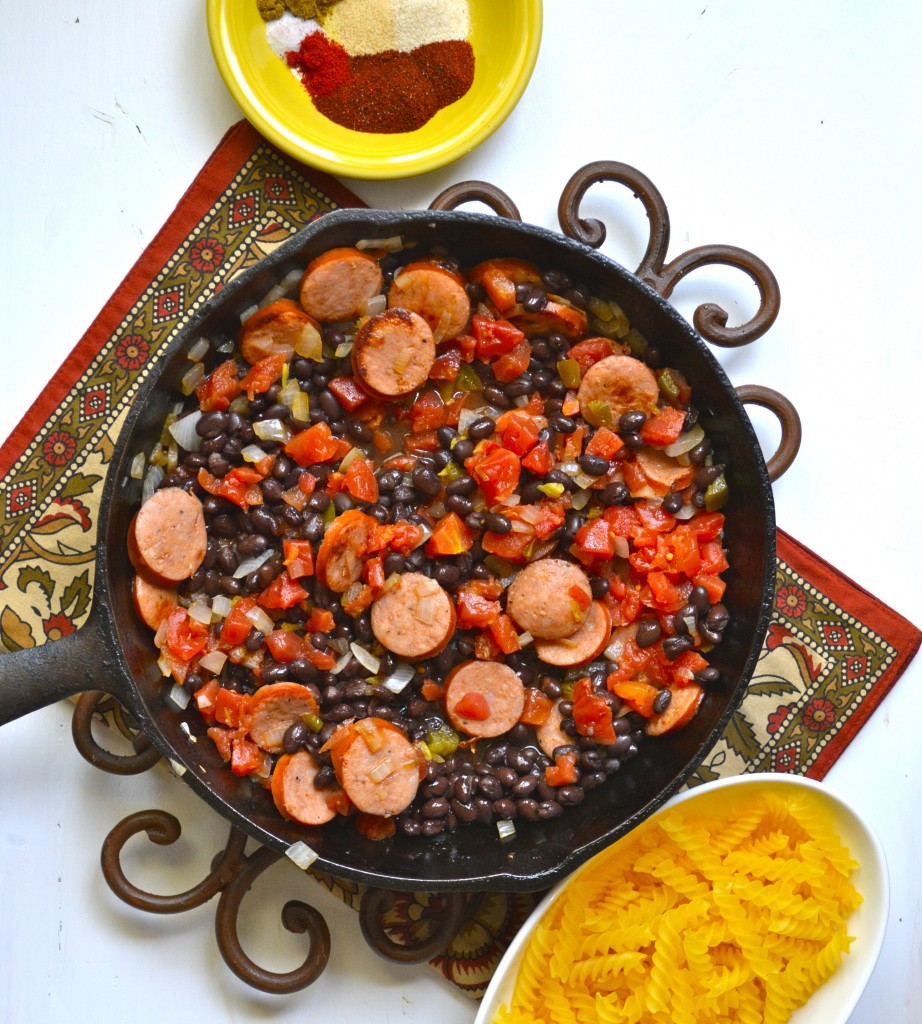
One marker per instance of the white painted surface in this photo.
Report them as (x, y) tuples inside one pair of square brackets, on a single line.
[(790, 129)]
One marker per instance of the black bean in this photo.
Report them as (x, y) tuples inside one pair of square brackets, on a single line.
[(218, 465), (294, 737), (462, 485), (359, 431), (460, 504), (592, 780), (330, 404), (463, 788), (425, 481), (548, 809), (718, 617), (251, 544), (673, 646), (447, 576), (272, 489), (707, 475), (490, 787), (496, 522), (520, 386), (563, 424), (432, 827), (593, 465), (570, 796), (223, 526), (505, 809), (632, 440), (708, 676), (213, 444), (599, 586), (342, 502), (264, 521), (630, 422), (662, 701), (463, 450), (435, 808), (481, 428), (700, 598), (404, 494), (710, 636), (230, 586), (700, 452), (274, 672), (615, 493), (312, 527), (648, 632), (673, 502), (463, 811), (496, 396), (394, 562)]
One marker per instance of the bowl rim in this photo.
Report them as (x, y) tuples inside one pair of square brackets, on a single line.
[(370, 167), (855, 971)]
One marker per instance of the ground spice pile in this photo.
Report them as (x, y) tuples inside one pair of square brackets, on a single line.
[(385, 66)]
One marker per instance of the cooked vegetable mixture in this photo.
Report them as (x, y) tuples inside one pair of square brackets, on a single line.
[(432, 545)]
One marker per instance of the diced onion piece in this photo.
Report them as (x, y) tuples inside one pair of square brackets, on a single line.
[(506, 830), (685, 442), (274, 293), (178, 697), (519, 527), (525, 639), (426, 532), (184, 433), (272, 430), (213, 661), (301, 407), (370, 733), (343, 349), (343, 661), (442, 326), (382, 769), (570, 468), (260, 619), (583, 480), (192, 378), (286, 395), (580, 499), (200, 611), (248, 312), (137, 466), (221, 606), (685, 512), (163, 663), (349, 458), (376, 304), (252, 453), (291, 280), (621, 546), (399, 678), (225, 346), (403, 360), (365, 658), (392, 244), (301, 854), (240, 405), (310, 343), (339, 644), (178, 769), (187, 732), (152, 481), (425, 610), (521, 401), (199, 350), (249, 565)]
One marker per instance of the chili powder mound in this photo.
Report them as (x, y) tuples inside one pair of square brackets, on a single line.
[(322, 64), (391, 92)]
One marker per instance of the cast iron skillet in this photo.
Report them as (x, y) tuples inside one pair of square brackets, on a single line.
[(114, 652)]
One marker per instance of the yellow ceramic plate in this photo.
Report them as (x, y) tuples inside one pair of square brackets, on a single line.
[(505, 35)]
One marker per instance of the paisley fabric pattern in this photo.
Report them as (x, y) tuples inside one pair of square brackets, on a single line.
[(832, 651)]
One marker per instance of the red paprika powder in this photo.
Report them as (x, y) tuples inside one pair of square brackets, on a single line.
[(322, 64)]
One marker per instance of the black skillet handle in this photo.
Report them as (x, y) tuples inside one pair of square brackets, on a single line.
[(710, 320), (35, 677), (476, 191)]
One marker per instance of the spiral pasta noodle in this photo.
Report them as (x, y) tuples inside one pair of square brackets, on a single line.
[(695, 919)]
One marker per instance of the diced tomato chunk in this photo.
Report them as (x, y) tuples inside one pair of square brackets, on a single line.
[(219, 388), (494, 337), (263, 374), (450, 536), (282, 592), (473, 705), (360, 480), (316, 444), (664, 428), (348, 393), (299, 558), (512, 364), (562, 772)]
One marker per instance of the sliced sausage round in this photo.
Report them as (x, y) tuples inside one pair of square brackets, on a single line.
[(586, 643), (484, 698), (339, 557), (393, 353), (377, 766), (681, 710), (280, 328), (152, 601), (435, 293), (167, 538), (555, 318), (549, 598), (275, 707), (663, 472), (339, 285), (296, 796), (414, 617), (549, 734), (620, 382)]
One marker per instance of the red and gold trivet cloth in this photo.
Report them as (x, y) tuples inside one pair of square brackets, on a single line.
[(832, 652)]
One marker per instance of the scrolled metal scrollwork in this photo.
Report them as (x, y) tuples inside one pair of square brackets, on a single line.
[(710, 319), (96, 704)]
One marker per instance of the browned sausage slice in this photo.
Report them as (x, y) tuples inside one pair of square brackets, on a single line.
[(435, 293), (339, 285), (167, 539), (376, 765), (620, 382), (518, 271), (549, 598), (550, 735), (393, 353), (414, 617), (681, 710), (280, 328), (296, 796), (340, 555), (484, 698), (555, 318), (275, 707), (152, 601), (586, 643), (663, 472)]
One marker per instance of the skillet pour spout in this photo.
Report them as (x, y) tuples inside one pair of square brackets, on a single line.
[(113, 652)]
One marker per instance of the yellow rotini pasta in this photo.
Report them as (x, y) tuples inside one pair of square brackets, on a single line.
[(695, 918)]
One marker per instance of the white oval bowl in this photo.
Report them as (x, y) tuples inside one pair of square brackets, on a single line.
[(834, 1001)]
